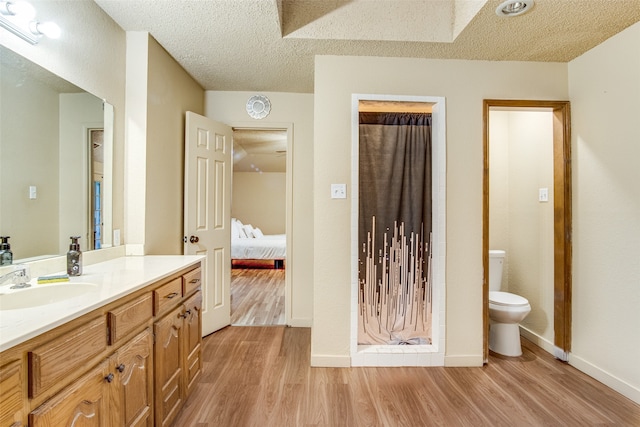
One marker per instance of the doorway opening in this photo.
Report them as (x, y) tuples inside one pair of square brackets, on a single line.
[(96, 186), (260, 232), (551, 206), (419, 353)]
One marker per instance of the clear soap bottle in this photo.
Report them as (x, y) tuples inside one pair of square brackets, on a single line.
[(6, 256), (74, 258)]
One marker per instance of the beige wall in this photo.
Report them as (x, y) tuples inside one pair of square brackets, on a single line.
[(91, 55), (29, 156), (464, 84), (259, 199), (79, 112), (295, 110), (605, 103), (171, 93), (520, 163)]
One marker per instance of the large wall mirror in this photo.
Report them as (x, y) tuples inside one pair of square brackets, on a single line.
[(56, 152)]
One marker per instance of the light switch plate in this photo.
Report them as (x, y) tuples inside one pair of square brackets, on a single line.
[(33, 192), (543, 195), (338, 191)]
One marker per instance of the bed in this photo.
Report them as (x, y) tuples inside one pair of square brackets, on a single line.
[(249, 243)]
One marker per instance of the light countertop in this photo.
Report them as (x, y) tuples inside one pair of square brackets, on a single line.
[(113, 279)]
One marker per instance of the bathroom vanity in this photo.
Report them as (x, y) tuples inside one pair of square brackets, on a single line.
[(124, 351)]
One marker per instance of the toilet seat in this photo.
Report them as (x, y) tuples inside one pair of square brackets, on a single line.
[(507, 299)]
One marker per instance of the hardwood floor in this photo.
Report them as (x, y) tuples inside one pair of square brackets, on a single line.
[(257, 297), (260, 376)]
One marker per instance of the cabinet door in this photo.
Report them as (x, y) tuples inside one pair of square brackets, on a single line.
[(193, 340), (168, 359), (132, 366), (11, 394), (84, 403)]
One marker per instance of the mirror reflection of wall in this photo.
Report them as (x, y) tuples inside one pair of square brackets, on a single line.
[(45, 151)]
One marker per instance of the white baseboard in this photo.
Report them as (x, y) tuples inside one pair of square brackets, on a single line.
[(469, 360), (327, 361), (605, 378), (541, 342), (579, 363), (300, 322)]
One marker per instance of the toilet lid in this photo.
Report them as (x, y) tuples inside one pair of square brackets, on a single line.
[(506, 298)]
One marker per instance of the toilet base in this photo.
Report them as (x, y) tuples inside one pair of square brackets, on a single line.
[(504, 339)]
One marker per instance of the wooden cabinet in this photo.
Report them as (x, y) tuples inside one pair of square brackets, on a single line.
[(168, 357), (83, 403), (56, 359), (177, 353), (12, 392), (132, 391), (193, 341), (129, 363), (118, 392)]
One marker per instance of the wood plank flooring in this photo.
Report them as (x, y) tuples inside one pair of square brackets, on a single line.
[(260, 376), (257, 297)]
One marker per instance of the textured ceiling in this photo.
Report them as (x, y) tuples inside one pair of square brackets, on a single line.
[(238, 45)]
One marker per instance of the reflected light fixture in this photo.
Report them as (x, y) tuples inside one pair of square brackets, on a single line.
[(511, 8), (18, 17)]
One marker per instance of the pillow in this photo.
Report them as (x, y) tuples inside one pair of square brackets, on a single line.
[(257, 233), (248, 230), (235, 230)]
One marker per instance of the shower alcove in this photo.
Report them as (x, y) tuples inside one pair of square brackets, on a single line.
[(429, 348)]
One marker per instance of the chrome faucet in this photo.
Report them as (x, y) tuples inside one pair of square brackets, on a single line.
[(20, 276)]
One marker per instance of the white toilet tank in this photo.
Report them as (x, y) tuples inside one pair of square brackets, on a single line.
[(496, 260)]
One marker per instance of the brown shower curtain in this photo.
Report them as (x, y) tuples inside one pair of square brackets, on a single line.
[(394, 228)]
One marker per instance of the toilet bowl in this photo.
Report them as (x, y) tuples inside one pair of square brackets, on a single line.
[(506, 311)]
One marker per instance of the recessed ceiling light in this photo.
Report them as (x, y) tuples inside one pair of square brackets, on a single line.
[(514, 7)]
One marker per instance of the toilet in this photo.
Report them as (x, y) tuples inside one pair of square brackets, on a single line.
[(506, 311)]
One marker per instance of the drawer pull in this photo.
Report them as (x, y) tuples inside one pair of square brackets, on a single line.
[(120, 368), (194, 280), (172, 295), (109, 378)]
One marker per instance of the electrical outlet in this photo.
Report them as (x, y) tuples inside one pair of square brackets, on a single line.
[(338, 191)]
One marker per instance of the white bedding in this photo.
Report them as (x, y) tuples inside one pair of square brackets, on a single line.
[(248, 242), (267, 247)]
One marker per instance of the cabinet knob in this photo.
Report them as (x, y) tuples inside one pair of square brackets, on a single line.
[(120, 368), (188, 312), (109, 378)]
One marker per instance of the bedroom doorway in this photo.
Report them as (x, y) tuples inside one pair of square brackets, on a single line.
[(260, 217)]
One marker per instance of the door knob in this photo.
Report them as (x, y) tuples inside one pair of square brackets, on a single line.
[(194, 239)]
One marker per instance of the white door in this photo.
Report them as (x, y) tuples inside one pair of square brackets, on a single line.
[(207, 210)]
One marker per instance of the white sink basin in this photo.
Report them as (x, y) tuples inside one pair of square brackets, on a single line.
[(38, 295)]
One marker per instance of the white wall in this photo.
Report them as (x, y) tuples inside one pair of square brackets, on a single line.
[(259, 199), (605, 101), (464, 84), (295, 110), (520, 163)]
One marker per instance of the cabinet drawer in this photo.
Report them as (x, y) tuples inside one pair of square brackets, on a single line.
[(129, 316), (167, 296), (192, 281), (52, 362), (11, 392)]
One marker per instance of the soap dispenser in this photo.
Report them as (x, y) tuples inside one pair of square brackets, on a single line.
[(6, 256), (74, 258)]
